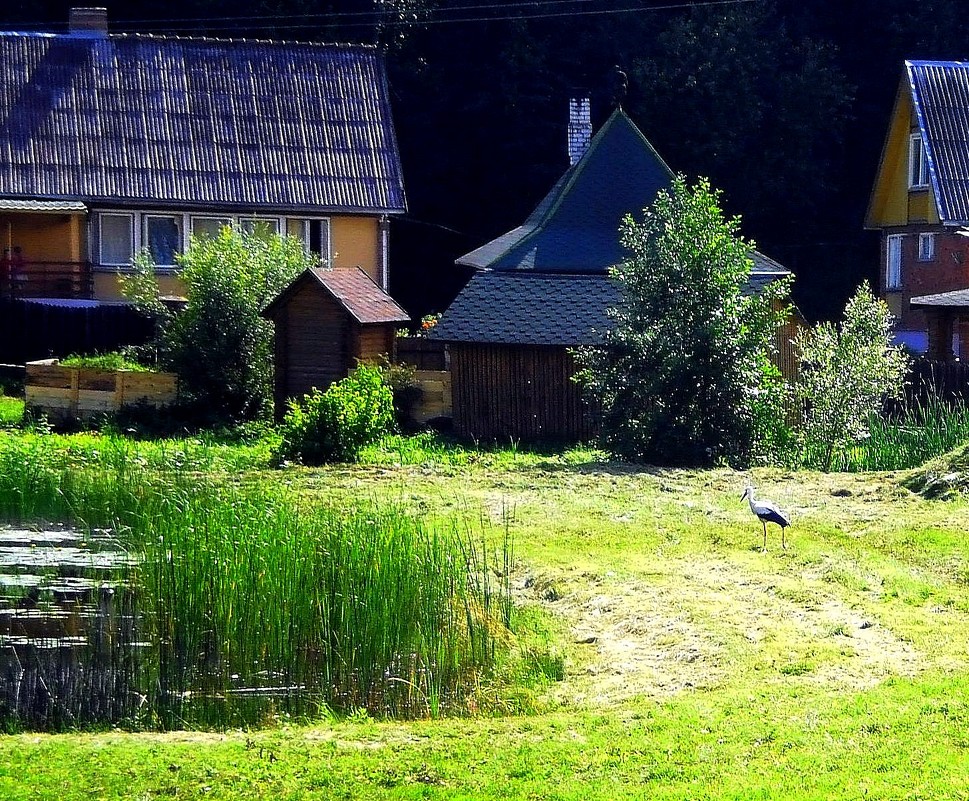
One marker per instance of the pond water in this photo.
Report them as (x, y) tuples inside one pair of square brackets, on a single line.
[(68, 634)]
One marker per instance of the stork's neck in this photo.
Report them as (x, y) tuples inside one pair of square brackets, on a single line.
[(750, 498)]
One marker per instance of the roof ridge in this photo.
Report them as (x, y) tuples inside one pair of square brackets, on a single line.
[(162, 37)]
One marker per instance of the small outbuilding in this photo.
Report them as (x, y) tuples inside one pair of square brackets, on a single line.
[(326, 321)]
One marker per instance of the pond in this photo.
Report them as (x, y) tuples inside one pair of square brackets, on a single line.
[(69, 640)]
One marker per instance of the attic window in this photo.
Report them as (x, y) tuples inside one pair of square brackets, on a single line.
[(918, 164)]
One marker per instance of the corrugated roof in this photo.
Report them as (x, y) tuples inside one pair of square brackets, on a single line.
[(535, 308), (940, 95), (144, 119), (356, 291), (48, 206)]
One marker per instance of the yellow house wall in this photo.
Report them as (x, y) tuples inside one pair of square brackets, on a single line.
[(107, 286), (44, 237), (356, 243), (891, 201)]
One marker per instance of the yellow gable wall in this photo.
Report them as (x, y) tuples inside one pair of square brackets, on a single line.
[(891, 201), (354, 242)]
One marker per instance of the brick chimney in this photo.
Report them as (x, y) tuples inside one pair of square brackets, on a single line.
[(580, 127), (89, 22)]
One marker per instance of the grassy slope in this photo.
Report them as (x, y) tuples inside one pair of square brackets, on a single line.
[(697, 666)]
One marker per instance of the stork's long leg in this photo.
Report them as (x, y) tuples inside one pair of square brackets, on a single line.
[(764, 524), (783, 538)]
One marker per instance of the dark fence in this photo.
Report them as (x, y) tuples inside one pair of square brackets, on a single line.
[(424, 354), (37, 330), (948, 381)]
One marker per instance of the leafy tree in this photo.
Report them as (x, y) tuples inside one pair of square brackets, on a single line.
[(846, 372), (218, 345), (684, 375)]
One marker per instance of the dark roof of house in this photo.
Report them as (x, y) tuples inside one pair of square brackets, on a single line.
[(133, 119), (940, 95), (535, 308), (353, 289), (957, 299), (575, 229)]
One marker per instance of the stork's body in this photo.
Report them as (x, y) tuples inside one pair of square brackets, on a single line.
[(766, 512)]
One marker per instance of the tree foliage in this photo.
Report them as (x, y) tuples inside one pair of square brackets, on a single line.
[(218, 345), (846, 372), (684, 375)]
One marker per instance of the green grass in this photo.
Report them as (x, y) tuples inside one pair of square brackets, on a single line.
[(656, 650), (11, 411), (104, 361)]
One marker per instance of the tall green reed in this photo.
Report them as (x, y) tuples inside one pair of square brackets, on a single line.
[(255, 602)]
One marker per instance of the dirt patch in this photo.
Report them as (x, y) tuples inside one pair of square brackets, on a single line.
[(701, 624)]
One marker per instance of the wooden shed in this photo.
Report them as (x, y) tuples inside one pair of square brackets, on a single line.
[(326, 320)]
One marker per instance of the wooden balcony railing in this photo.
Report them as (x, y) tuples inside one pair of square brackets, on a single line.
[(46, 279)]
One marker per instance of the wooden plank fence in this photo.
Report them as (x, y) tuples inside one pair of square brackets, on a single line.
[(422, 353), (946, 381)]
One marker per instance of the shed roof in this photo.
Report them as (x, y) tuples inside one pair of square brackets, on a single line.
[(145, 119), (940, 96), (957, 299), (353, 289), (535, 308)]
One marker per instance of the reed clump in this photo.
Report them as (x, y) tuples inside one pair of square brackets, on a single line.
[(252, 603)]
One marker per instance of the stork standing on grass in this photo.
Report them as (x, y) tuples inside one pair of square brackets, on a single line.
[(766, 512)]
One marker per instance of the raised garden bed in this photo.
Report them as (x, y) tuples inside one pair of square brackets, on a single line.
[(80, 392)]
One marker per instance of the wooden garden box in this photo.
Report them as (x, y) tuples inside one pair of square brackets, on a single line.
[(81, 392)]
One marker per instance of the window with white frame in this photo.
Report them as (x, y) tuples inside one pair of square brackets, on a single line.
[(918, 164), (315, 234), (162, 238), (893, 261), (209, 227), (116, 239), (926, 247), (260, 226)]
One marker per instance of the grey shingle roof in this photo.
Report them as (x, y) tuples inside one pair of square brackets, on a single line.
[(136, 119), (957, 299), (534, 308), (940, 95), (529, 309)]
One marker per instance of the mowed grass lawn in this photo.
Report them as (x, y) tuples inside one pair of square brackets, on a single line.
[(695, 665)]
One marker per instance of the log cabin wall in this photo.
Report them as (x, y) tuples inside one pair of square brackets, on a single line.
[(312, 344), (520, 392)]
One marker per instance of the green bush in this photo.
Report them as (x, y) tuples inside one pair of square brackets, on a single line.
[(333, 426)]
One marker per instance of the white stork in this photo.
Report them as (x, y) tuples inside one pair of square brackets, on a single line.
[(766, 512)]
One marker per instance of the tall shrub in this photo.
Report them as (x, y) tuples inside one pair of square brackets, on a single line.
[(684, 375), (846, 372), (219, 345)]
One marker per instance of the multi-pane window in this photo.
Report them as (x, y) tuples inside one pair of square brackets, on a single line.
[(209, 227), (163, 238), (926, 247), (122, 234), (893, 261), (918, 164), (116, 239)]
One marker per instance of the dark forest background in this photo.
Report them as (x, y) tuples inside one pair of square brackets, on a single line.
[(784, 105)]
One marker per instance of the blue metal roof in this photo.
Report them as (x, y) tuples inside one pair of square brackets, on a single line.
[(940, 95), (146, 119)]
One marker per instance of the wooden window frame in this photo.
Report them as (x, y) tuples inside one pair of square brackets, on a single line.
[(893, 273), (916, 149)]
